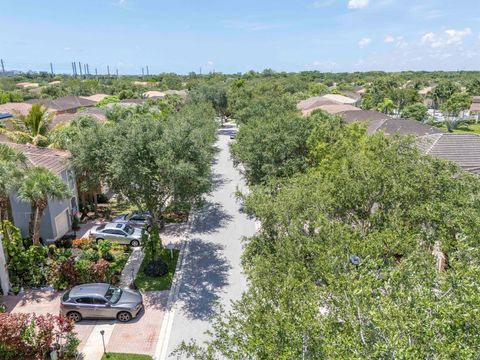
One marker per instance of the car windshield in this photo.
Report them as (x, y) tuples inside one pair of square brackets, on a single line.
[(66, 296), (113, 294), (129, 230)]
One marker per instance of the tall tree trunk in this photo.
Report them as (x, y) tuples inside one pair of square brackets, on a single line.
[(4, 207), (9, 210), (95, 203), (35, 220)]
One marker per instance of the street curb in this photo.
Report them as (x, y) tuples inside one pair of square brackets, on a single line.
[(167, 322)]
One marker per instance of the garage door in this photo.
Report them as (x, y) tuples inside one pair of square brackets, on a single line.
[(62, 223)]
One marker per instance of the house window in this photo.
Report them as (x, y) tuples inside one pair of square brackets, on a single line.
[(71, 179)]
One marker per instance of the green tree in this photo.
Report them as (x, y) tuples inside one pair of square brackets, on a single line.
[(38, 187), (387, 106), (454, 108), (456, 104), (12, 164), (443, 91), (165, 160), (473, 87), (91, 145), (32, 128), (347, 265), (416, 111)]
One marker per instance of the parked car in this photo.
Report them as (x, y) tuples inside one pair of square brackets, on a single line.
[(117, 232), (137, 219), (100, 301)]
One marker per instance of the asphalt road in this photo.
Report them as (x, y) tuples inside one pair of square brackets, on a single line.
[(212, 272)]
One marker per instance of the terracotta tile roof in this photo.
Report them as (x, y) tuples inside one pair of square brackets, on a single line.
[(336, 108), (52, 159), (313, 103), (16, 108), (27, 84), (67, 118), (340, 99), (425, 90), (64, 103), (475, 107), (389, 125), (154, 93), (95, 97)]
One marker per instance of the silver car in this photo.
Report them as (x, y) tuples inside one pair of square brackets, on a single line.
[(116, 232), (138, 219), (100, 301)]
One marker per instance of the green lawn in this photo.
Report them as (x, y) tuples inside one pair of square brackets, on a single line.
[(466, 129), (120, 356), (147, 283)]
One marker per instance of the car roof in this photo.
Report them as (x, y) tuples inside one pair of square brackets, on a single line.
[(114, 226), (96, 289)]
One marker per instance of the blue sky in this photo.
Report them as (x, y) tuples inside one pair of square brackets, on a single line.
[(236, 36)]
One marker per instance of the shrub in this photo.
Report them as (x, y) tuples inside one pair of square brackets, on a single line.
[(26, 266), (104, 248), (90, 255), (64, 274), (99, 270), (82, 267), (29, 336), (156, 268)]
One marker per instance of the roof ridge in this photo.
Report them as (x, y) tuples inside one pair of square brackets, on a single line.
[(436, 137)]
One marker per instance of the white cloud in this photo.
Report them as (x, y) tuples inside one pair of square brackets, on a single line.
[(389, 39), (357, 4), (456, 36), (448, 37), (428, 37), (364, 42)]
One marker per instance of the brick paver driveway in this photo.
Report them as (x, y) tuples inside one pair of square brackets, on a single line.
[(138, 336)]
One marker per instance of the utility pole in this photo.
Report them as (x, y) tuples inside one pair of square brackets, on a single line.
[(80, 67), (3, 67), (88, 70), (108, 70), (51, 69), (142, 73), (74, 64), (96, 74), (85, 70), (117, 73), (73, 70), (147, 70)]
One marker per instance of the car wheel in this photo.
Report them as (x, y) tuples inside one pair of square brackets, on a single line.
[(74, 316), (98, 240), (148, 228), (124, 316), (134, 243)]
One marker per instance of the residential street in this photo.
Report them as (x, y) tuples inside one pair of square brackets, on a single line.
[(212, 272)]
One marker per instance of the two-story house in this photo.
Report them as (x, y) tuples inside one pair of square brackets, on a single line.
[(57, 218)]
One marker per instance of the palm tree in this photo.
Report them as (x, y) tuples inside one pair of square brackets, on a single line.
[(38, 186), (386, 106), (12, 165), (30, 129)]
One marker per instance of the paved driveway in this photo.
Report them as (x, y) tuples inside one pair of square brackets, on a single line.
[(138, 336), (212, 272)]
